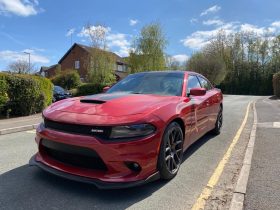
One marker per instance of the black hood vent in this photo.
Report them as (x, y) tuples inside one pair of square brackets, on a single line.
[(92, 101)]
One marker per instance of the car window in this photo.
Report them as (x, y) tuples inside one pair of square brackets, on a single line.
[(192, 83), (204, 83)]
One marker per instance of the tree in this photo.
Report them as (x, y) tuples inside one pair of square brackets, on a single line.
[(100, 63), (147, 52), (20, 67), (173, 64)]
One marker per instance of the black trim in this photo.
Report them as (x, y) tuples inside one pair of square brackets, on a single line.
[(98, 183)]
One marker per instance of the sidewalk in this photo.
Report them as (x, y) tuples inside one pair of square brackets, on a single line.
[(263, 187), (19, 123)]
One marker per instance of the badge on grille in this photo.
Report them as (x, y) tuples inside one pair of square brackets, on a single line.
[(96, 131)]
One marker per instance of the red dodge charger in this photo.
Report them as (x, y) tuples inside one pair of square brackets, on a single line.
[(134, 133)]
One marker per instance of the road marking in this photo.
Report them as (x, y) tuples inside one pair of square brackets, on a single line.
[(31, 131), (206, 192)]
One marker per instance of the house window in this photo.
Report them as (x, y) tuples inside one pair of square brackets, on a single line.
[(77, 64), (120, 68)]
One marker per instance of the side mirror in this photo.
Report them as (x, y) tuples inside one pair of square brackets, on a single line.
[(198, 91), (105, 89)]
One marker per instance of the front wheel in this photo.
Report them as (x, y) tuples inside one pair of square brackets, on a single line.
[(171, 151), (219, 123)]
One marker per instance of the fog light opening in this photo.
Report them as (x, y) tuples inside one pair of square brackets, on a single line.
[(133, 166)]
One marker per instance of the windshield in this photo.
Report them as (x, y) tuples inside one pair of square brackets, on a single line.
[(159, 83), (58, 89)]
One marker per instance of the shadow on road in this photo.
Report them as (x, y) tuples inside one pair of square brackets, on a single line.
[(273, 98), (28, 187)]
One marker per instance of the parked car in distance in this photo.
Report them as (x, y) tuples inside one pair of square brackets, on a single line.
[(59, 93), (134, 133)]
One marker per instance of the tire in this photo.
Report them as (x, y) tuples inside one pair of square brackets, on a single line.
[(219, 122), (171, 151)]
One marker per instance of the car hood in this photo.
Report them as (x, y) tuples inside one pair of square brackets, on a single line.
[(113, 104)]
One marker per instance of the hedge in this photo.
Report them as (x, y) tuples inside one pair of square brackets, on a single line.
[(3, 93), (27, 94), (276, 84), (67, 79), (90, 89)]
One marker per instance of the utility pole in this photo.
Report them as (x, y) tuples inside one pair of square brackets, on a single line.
[(28, 60)]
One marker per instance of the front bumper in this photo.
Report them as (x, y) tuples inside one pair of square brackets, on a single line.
[(115, 155), (99, 184)]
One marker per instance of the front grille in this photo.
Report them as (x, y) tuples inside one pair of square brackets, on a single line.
[(98, 131), (72, 155)]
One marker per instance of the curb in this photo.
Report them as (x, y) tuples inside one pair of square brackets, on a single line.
[(237, 201), (18, 129)]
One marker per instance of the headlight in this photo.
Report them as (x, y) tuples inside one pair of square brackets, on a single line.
[(129, 131)]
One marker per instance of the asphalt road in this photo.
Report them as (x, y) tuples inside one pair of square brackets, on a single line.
[(25, 187)]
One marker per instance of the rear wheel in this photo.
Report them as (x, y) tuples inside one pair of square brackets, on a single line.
[(171, 151), (219, 122)]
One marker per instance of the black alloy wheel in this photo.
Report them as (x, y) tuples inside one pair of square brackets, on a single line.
[(171, 152), (219, 123)]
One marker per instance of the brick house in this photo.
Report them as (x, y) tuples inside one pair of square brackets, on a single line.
[(77, 58)]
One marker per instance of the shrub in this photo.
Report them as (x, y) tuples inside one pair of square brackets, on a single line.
[(89, 89), (68, 79), (28, 94), (276, 84), (3, 93)]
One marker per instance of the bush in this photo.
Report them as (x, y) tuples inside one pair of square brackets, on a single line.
[(276, 84), (90, 89), (67, 79), (28, 94), (3, 93)]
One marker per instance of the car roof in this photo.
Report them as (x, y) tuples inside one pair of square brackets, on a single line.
[(168, 71)]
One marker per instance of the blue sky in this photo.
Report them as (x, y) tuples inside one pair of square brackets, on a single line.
[(40, 26)]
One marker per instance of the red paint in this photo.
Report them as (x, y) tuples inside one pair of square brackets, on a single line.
[(198, 113)]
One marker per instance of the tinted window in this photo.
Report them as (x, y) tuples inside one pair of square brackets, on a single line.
[(159, 83), (58, 89), (205, 84), (192, 83)]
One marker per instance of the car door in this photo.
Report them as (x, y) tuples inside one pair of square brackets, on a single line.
[(199, 110), (209, 101)]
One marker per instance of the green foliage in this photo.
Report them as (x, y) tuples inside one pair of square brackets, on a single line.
[(27, 94), (244, 62), (148, 53), (67, 79), (276, 84), (101, 66), (90, 89), (46, 87), (210, 65), (3, 93)]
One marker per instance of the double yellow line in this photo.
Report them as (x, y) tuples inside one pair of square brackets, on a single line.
[(206, 192)]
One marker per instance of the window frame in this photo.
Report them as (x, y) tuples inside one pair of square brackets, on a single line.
[(211, 86), (193, 75)]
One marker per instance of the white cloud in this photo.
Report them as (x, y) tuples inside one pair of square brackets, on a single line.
[(19, 7), (117, 42), (213, 22), (199, 39), (193, 20), (10, 56), (212, 10), (70, 32), (120, 41), (133, 22), (180, 58), (276, 24), (86, 31)]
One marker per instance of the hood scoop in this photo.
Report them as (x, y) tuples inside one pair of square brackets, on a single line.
[(92, 101)]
